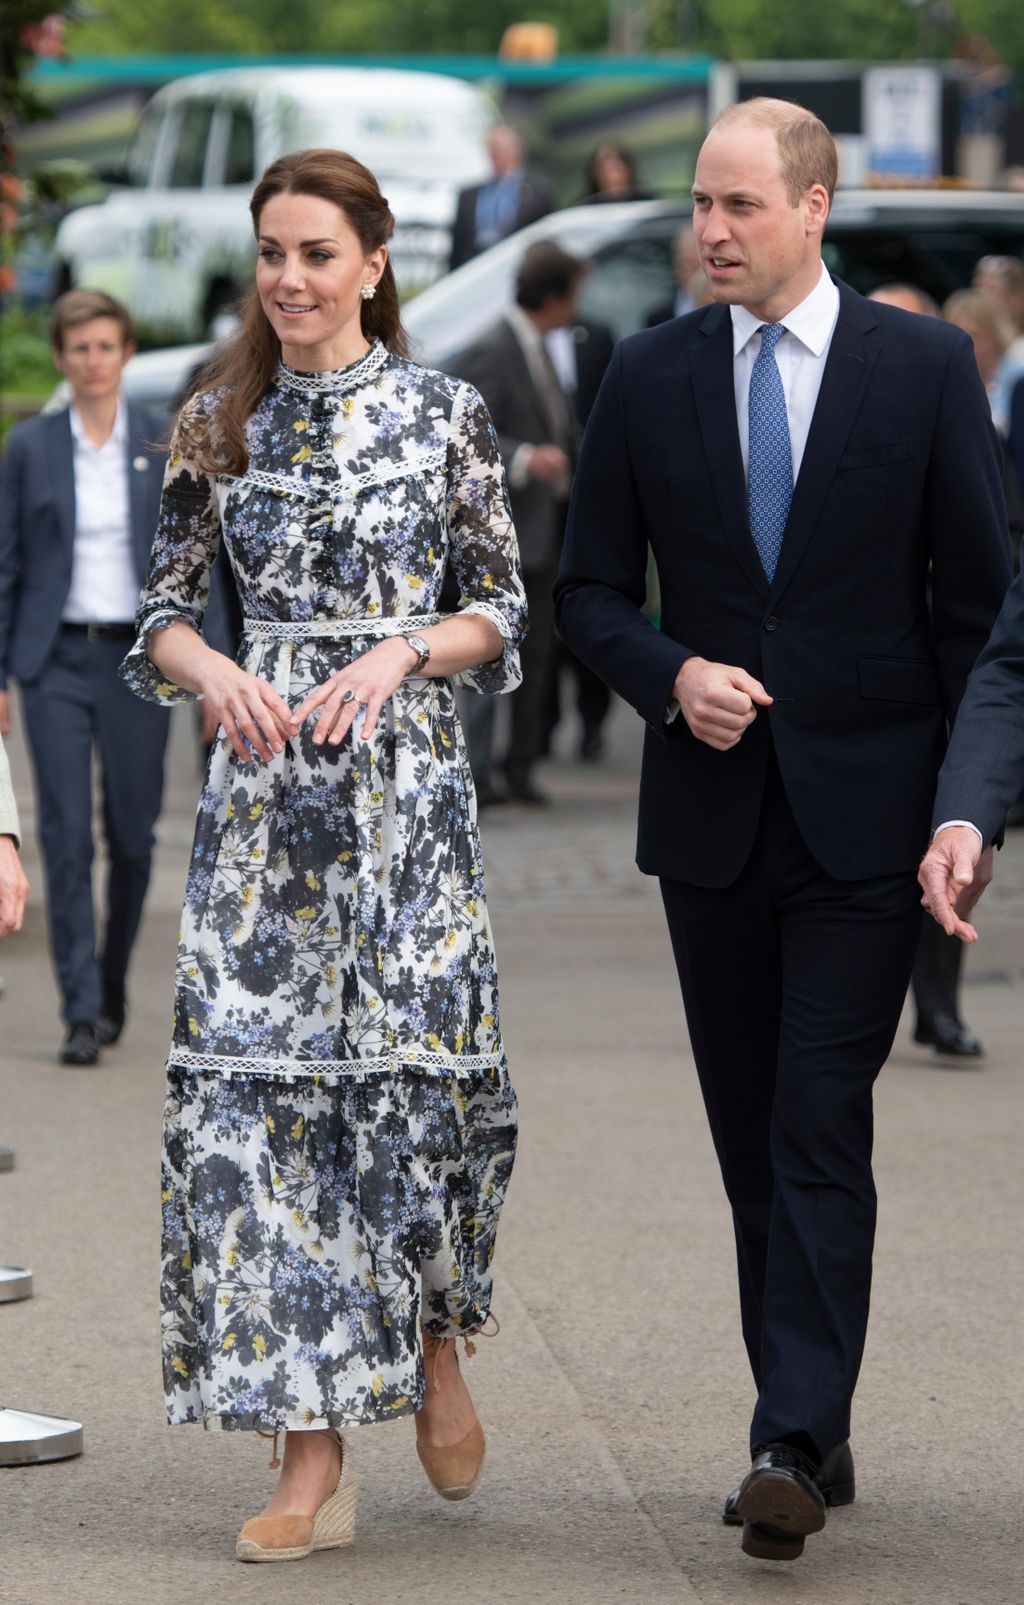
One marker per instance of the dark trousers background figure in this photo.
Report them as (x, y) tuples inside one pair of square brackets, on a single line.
[(77, 703), (527, 705), (793, 983)]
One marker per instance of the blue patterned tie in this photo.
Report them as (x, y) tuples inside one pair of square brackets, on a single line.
[(770, 473)]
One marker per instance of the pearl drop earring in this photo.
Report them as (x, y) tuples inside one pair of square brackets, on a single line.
[(368, 292)]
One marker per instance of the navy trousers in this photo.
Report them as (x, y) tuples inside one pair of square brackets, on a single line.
[(793, 984), (76, 706)]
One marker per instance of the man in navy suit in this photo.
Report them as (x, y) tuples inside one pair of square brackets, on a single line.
[(797, 459), (79, 499)]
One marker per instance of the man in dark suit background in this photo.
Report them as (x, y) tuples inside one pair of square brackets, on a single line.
[(796, 458), (689, 277), (487, 213), (538, 437), (79, 499)]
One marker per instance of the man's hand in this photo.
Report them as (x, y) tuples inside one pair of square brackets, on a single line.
[(5, 713), (718, 701), (13, 887), (954, 873), (546, 464)]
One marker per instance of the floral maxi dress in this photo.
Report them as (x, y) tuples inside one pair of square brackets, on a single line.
[(340, 1126)]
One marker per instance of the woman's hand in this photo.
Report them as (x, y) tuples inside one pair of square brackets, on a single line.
[(13, 887), (364, 685), (255, 718)]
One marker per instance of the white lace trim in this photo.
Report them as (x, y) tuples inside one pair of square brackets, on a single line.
[(487, 610), (332, 629), (337, 381), (413, 1058), (332, 486), (385, 472)]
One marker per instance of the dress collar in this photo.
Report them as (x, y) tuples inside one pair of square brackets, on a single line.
[(335, 381)]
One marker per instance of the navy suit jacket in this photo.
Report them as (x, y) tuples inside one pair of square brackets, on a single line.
[(900, 477), (37, 529)]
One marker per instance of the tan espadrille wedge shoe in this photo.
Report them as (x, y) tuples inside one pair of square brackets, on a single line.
[(454, 1470), (266, 1538)]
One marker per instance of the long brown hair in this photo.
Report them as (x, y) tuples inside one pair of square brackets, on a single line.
[(242, 373)]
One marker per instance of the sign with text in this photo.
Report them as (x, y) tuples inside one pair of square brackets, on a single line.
[(903, 121)]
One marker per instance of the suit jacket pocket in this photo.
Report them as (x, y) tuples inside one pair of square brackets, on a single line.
[(894, 451), (899, 680)]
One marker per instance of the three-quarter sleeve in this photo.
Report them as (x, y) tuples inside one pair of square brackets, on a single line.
[(185, 546), (483, 546)]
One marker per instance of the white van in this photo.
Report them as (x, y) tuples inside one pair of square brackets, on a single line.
[(176, 245)]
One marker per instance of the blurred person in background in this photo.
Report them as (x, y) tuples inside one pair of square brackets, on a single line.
[(611, 175), (908, 297), (79, 498), (538, 434), (339, 1126), (486, 213), (692, 287), (581, 353), (13, 884), (986, 320), (1003, 278), (935, 983)]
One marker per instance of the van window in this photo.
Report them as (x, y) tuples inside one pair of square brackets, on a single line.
[(190, 156), (143, 146), (238, 166)]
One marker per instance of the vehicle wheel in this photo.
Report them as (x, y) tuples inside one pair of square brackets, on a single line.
[(222, 297)]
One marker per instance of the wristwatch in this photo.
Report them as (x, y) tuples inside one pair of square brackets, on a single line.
[(418, 645)]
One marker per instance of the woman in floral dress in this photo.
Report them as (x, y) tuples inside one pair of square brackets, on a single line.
[(340, 1125)]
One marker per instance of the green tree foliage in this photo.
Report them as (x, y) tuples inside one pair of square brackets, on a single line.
[(736, 29)]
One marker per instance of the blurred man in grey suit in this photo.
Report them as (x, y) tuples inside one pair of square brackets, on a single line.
[(538, 435)]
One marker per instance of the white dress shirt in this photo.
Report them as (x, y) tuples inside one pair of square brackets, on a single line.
[(801, 355), (104, 587)]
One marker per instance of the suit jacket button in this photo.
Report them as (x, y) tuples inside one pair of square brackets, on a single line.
[(771, 622)]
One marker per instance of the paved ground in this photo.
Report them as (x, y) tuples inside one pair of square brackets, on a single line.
[(617, 1395)]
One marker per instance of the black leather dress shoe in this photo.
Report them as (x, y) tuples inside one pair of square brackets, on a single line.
[(112, 1017), (948, 1035), (522, 789), (81, 1045), (780, 1503), (835, 1479)]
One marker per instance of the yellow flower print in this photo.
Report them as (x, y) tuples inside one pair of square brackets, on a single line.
[(193, 1026), (300, 425), (414, 581), (259, 1344), (488, 582), (271, 1123), (231, 1258), (256, 811), (298, 1128), (305, 913), (179, 1365), (303, 453), (312, 882), (348, 406), (330, 974), (230, 1341), (378, 1384)]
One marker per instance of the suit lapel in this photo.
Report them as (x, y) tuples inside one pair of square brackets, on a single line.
[(851, 358), (63, 466), (715, 394)]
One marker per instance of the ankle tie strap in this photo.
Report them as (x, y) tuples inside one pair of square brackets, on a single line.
[(432, 1347), (275, 1458)]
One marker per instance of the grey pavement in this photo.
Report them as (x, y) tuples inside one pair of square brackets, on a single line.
[(617, 1396)]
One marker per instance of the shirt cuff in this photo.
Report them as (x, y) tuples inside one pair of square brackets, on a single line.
[(966, 824), (518, 468)]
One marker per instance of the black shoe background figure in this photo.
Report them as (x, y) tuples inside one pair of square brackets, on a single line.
[(81, 1044), (781, 1503), (112, 1017), (948, 1036)]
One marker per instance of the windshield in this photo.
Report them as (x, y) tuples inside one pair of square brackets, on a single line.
[(462, 306)]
